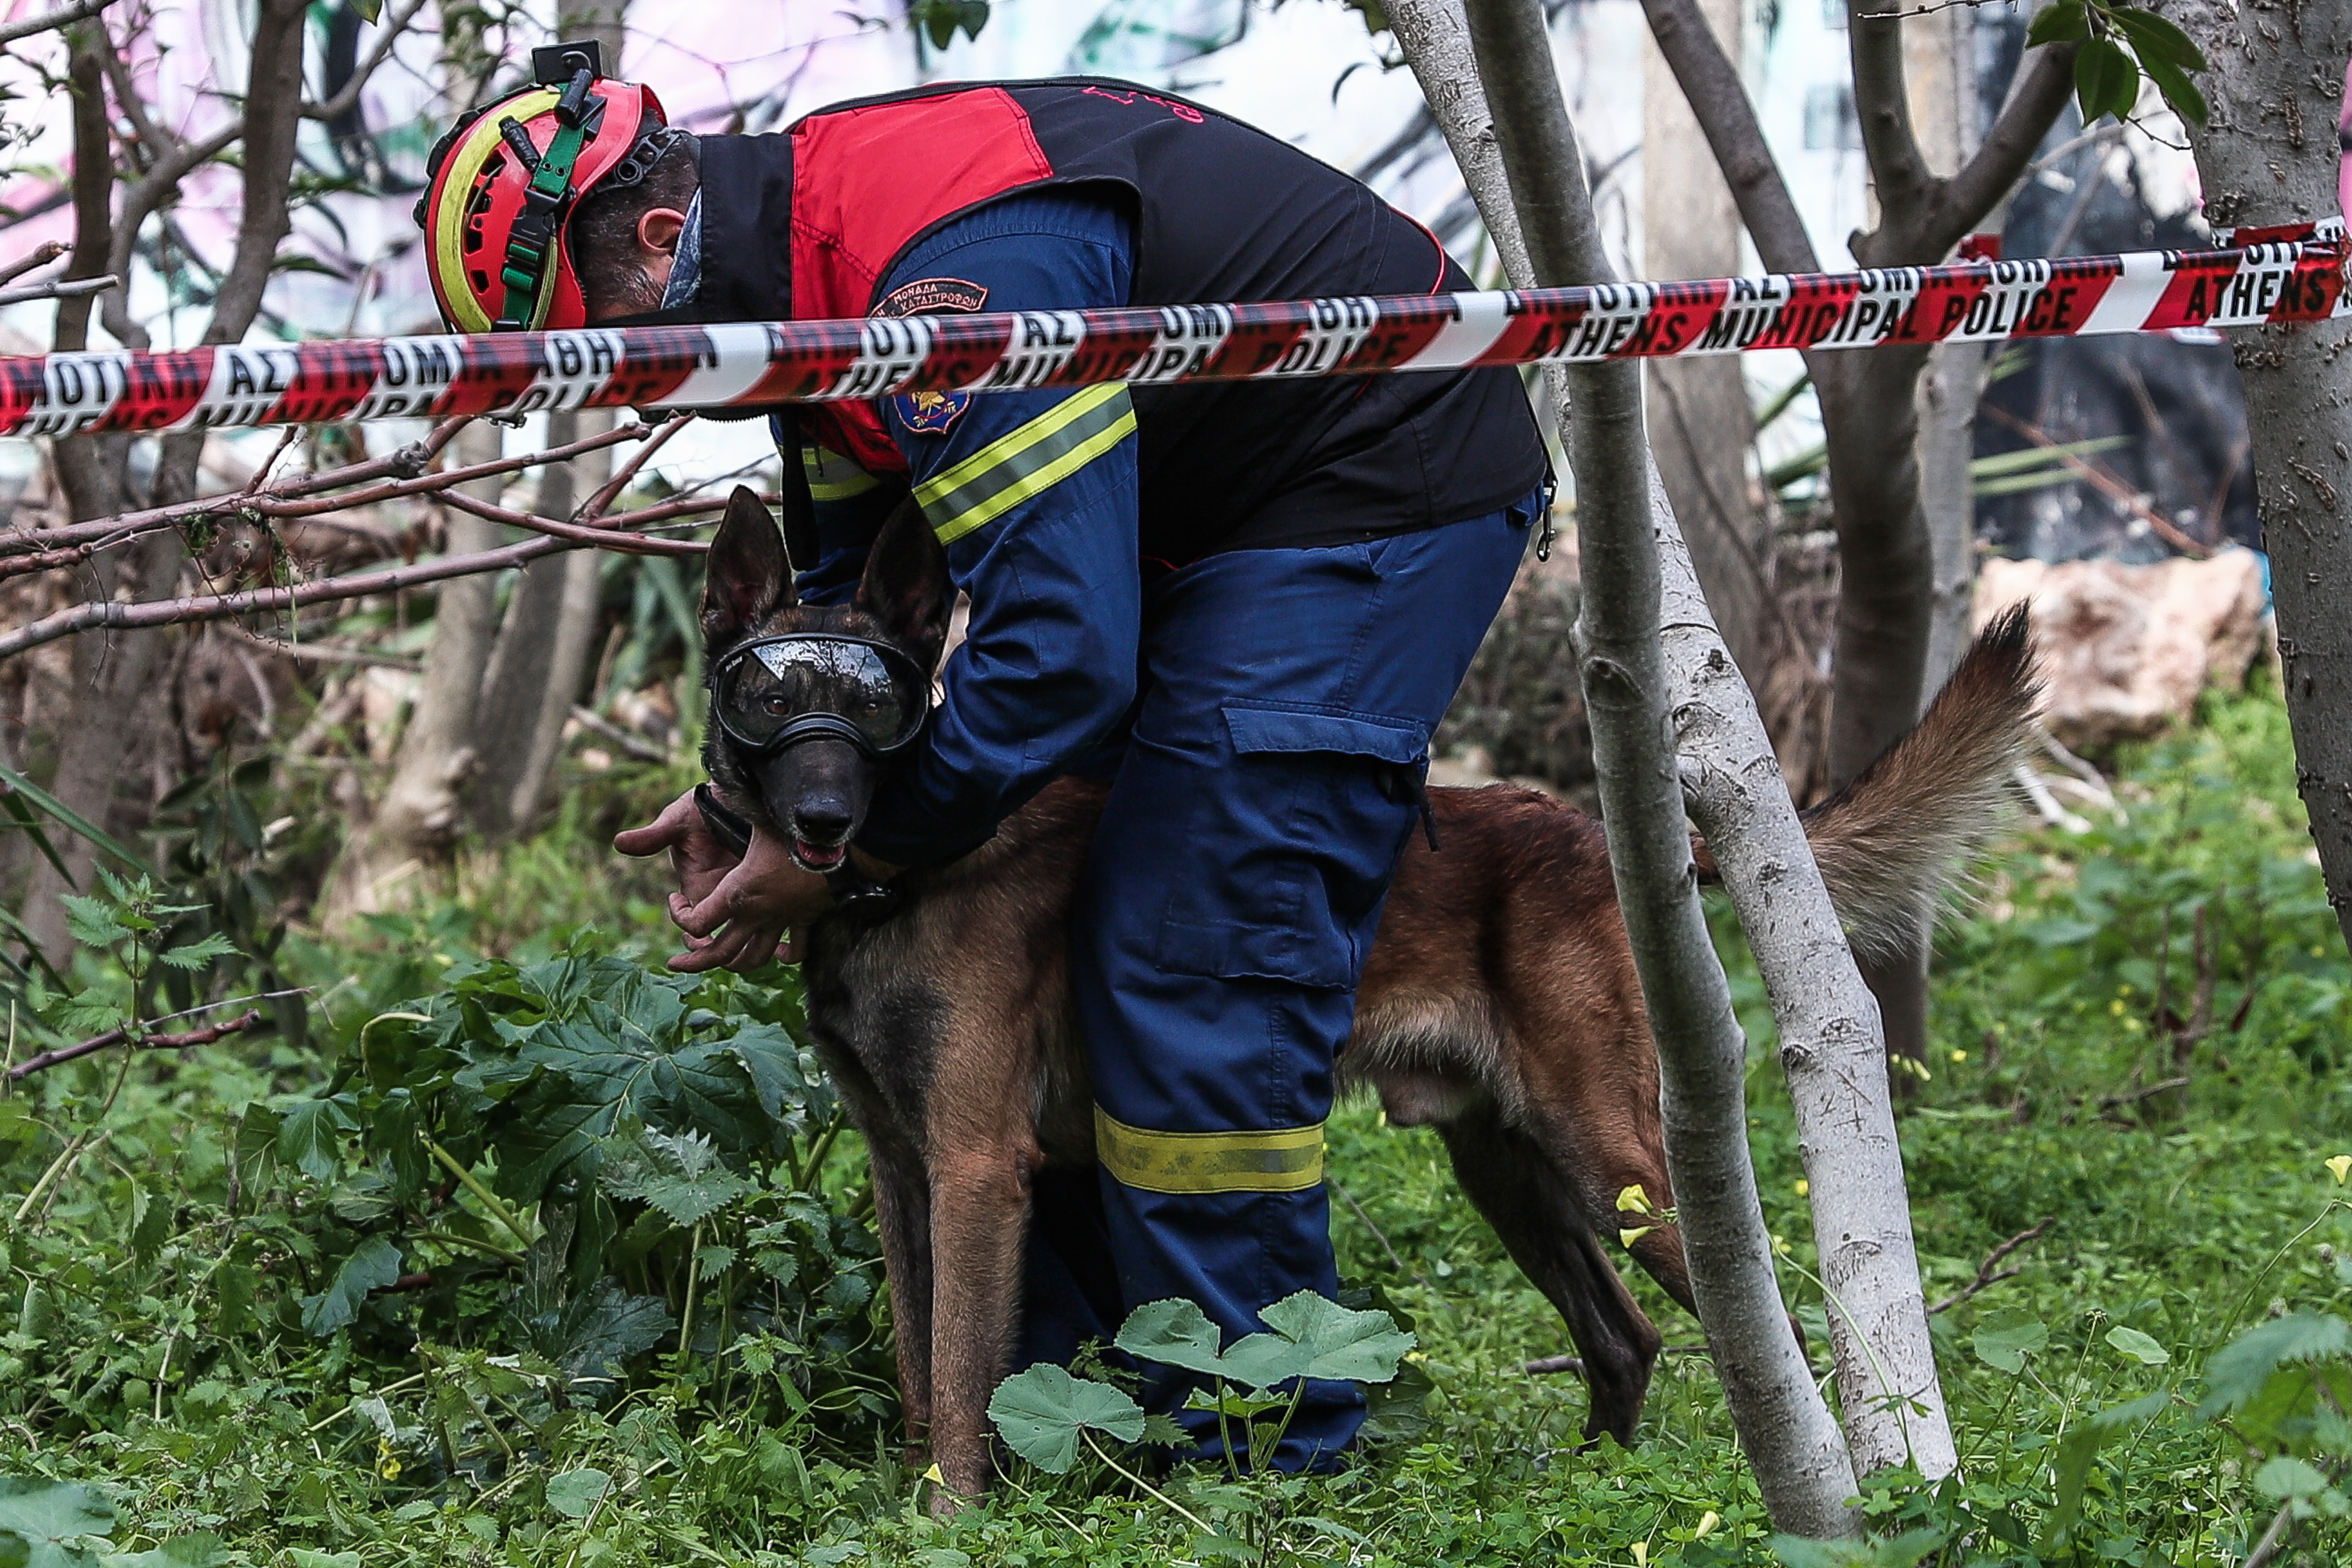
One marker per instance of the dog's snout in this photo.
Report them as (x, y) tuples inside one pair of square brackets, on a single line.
[(823, 819)]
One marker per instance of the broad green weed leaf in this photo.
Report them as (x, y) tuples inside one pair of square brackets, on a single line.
[(306, 1558), (47, 1514), (16, 1551), (200, 1550), (1234, 1406), (1175, 1334), (310, 1137), (373, 1265), (2076, 1451), (1161, 1432), (1261, 1360), (2004, 1343), (574, 1494), (1356, 1347), (1042, 1411), (2287, 1477), (599, 1332), (2235, 1373), (2137, 1346)]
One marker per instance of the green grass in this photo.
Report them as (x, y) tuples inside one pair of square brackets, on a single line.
[(150, 1347)]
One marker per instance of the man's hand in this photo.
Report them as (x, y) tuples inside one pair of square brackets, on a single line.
[(735, 913)]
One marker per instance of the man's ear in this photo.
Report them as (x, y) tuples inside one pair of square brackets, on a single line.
[(906, 586), (746, 577), (658, 229)]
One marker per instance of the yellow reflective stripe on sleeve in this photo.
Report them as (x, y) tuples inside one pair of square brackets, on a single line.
[(1026, 462), (1284, 1160), (831, 477)]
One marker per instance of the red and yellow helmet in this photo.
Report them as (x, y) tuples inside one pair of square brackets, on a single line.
[(505, 183)]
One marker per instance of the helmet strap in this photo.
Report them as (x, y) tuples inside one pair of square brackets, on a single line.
[(531, 244)]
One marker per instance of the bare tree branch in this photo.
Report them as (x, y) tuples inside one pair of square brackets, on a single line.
[(42, 254), (63, 16), (2000, 162), (251, 1019), (115, 615), (1986, 1271), (1882, 101), (59, 288), (304, 497), (344, 102)]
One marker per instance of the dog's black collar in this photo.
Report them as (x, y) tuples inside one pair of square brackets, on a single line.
[(854, 893)]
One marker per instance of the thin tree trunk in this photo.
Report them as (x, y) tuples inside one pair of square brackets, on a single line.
[(1827, 1019), (543, 653), (424, 810), (2267, 157), (1700, 422), (1800, 1456), (97, 739)]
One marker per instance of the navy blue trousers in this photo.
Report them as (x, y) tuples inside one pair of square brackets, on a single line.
[(1260, 801)]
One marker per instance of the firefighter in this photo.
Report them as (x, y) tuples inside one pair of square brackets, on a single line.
[(1248, 603)]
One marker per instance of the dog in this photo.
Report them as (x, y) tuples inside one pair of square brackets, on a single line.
[(1499, 1004)]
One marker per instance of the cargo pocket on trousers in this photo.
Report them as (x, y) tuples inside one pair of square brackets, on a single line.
[(1299, 848)]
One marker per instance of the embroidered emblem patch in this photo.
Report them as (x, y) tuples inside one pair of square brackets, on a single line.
[(932, 413)]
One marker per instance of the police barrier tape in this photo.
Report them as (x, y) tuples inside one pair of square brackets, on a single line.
[(2271, 275)]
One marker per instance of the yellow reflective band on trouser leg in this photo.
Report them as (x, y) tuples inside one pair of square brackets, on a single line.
[(1286, 1160), (1025, 462)]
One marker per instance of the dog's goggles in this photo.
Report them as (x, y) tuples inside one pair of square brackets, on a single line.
[(775, 693)]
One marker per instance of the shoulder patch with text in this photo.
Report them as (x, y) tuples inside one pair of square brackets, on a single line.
[(932, 413)]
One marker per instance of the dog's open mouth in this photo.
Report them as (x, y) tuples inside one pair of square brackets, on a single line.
[(818, 858)]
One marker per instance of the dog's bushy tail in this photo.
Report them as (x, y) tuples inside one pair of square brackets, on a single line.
[(1891, 843)]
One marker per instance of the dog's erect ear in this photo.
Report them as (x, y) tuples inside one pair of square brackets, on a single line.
[(746, 577), (906, 586)]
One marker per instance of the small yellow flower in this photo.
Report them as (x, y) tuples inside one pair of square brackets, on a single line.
[(2317, 950), (1707, 1523), (1634, 1200), (2116, 1007), (1626, 1238), (387, 1463), (1804, 1187), (2341, 1165), (933, 1476), (1641, 1554), (1781, 1245), (1959, 1057)]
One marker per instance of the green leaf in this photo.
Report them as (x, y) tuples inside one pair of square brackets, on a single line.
[(1345, 1345), (2003, 1343), (2235, 1373), (574, 1494), (310, 1137), (1041, 1412), (2063, 21), (1261, 1360), (2177, 89), (1175, 1334), (73, 819), (599, 1332), (2287, 1477), (194, 955), (47, 1514), (2106, 80), (373, 1265), (93, 920), (200, 1550), (2155, 39), (2137, 1346), (2076, 1451)]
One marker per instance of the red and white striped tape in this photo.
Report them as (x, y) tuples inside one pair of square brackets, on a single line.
[(2278, 275)]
